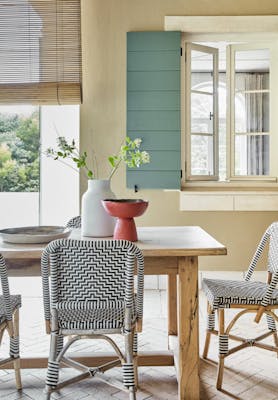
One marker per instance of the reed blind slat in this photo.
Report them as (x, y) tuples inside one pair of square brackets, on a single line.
[(40, 52)]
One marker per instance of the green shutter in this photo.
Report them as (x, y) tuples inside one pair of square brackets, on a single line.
[(153, 107)]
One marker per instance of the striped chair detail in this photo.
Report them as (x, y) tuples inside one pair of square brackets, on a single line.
[(74, 222), (248, 296), (92, 294), (9, 321)]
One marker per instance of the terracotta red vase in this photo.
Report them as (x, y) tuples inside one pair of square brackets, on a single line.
[(125, 210)]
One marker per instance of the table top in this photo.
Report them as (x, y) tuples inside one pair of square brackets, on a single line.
[(153, 241)]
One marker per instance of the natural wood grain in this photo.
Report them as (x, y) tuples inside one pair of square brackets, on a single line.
[(221, 331), (188, 328), (153, 241), (172, 305), (208, 335), (158, 359), (17, 361)]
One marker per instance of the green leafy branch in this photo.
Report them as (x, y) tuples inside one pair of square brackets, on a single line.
[(69, 151), (129, 153)]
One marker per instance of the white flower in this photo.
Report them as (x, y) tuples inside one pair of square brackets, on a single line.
[(145, 157), (137, 142)]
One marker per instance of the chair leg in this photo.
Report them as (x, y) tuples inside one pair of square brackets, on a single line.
[(60, 344), (210, 327), (223, 347), (135, 358), (14, 350), (128, 366), (52, 375), (272, 327)]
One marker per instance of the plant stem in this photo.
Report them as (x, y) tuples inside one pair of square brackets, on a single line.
[(114, 169)]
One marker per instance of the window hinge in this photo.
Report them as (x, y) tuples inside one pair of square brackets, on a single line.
[(185, 166), (181, 173), (181, 51)]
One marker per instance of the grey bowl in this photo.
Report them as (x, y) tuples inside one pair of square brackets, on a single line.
[(34, 234)]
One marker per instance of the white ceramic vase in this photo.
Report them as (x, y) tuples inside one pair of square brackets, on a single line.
[(95, 221)]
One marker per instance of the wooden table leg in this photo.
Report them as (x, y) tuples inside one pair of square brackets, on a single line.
[(188, 328), (172, 305)]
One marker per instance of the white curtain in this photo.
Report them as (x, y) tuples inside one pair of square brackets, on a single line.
[(256, 107)]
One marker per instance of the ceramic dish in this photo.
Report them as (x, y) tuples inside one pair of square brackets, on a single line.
[(34, 234)]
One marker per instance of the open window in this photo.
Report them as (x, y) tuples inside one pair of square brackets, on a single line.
[(229, 111), (201, 112), (249, 110)]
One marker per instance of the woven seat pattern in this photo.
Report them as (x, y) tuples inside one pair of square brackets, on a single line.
[(96, 316), (223, 293)]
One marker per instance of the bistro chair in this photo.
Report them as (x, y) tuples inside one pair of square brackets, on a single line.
[(91, 294), (74, 222), (9, 320), (248, 296)]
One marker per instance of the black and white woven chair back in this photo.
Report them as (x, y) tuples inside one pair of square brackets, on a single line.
[(92, 294), (270, 237), (92, 271), (272, 232), (74, 222)]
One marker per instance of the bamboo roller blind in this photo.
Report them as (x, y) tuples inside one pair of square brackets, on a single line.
[(40, 52)]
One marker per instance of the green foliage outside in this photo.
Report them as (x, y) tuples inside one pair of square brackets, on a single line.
[(19, 152)]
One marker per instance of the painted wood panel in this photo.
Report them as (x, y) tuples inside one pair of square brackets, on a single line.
[(159, 100), (157, 140), (161, 161), (153, 106), (153, 80), (155, 41), (153, 120), (152, 179), (148, 61)]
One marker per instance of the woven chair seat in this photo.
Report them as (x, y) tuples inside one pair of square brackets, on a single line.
[(15, 303), (94, 319), (223, 293)]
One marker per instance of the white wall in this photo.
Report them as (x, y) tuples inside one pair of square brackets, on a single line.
[(59, 199)]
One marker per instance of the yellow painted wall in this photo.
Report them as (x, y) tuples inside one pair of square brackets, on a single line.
[(103, 113)]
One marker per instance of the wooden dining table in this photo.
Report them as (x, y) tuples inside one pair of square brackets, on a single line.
[(171, 251)]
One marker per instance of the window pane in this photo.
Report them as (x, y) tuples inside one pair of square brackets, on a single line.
[(252, 155), (251, 81), (202, 62), (201, 155), (252, 112), (19, 149), (19, 165), (202, 81), (201, 113)]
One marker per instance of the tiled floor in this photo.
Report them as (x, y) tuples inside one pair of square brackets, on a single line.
[(249, 374)]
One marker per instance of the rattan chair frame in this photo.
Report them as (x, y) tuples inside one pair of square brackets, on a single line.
[(266, 306), (74, 265)]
